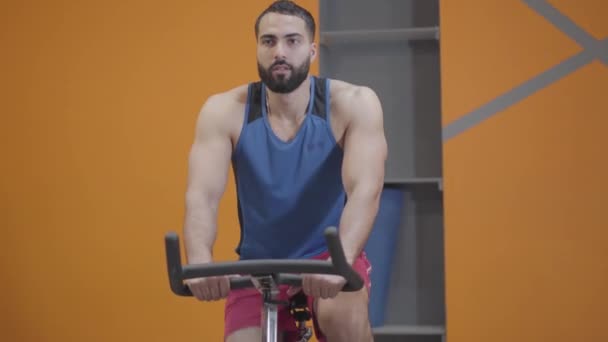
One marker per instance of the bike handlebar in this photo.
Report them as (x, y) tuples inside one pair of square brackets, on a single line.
[(285, 270)]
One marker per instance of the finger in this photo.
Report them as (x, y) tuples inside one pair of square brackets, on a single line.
[(225, 287), (337, 287), (205, 292), (333, 291), (195, 289), (214, 289), (315, 286), (220, 288), (325, 291), (306, 286), (191, 288)]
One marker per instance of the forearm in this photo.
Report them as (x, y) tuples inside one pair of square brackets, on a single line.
[(199, 229), (357, 221)]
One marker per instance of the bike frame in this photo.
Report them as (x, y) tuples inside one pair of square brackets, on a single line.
[(266, 275)]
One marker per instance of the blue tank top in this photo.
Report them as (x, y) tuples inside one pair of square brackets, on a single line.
[(288, 192)]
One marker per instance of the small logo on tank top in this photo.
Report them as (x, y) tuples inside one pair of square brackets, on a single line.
[(312, 145)]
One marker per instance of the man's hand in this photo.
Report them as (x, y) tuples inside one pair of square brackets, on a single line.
[(322, 285), (319, 285), (209, 288)]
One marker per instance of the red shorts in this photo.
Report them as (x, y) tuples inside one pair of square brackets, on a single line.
[(244, 306)]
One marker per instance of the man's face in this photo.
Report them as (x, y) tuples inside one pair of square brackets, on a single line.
[(284, 52)]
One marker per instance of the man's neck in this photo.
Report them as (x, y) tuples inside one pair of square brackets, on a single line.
[(289, 106)]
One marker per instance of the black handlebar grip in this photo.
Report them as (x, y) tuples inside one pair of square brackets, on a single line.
[(294, 280), (341, 266), (338, 259), (174, 265), (240, 283)]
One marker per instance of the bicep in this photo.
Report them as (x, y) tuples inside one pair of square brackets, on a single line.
[(365, 147), (209, 158)]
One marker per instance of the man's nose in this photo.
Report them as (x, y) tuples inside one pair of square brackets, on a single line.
[(279, 51)]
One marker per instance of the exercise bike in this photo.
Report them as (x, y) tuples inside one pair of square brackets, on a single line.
[(263, 274)]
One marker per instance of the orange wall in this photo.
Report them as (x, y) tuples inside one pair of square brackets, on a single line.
[(526, 231), (99, 101)]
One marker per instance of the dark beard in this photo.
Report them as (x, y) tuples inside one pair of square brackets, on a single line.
[(283, 84)]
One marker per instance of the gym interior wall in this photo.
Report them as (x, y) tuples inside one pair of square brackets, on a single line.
[(99, 101), (524, 110)]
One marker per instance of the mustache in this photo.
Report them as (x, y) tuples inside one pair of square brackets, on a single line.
[(277, 63)]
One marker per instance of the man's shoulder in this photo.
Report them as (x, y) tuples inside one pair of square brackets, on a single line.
[(343, 92), (227, 100), (346, 96), (224, 111)]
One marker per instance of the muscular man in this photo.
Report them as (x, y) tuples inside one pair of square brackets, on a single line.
[(307, 153)]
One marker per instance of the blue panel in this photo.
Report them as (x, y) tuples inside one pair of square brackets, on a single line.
[(380, 250)]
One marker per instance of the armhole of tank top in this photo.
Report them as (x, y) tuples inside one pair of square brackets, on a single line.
[(328, 112), (245, 120)]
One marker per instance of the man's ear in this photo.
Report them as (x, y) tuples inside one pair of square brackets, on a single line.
[(313, 52)]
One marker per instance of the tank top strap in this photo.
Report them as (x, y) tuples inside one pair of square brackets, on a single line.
[(253, 110), (321, 99)]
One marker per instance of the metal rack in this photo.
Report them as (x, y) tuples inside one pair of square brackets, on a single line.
[(328, 38), (393, 47)]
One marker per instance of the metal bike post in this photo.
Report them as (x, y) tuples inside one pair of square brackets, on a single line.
[(270, 296), (270, 322)]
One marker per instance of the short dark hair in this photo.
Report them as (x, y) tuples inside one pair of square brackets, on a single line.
[(290, 8)]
